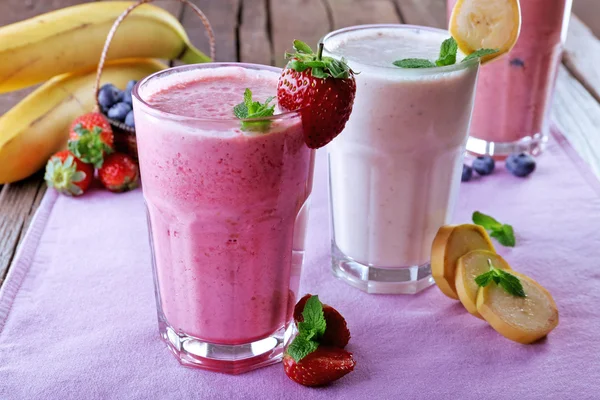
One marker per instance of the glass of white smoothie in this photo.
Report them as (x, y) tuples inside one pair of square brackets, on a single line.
[(395, 170)]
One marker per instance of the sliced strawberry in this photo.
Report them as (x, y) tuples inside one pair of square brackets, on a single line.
[(337, 333), (67, 174), (119, 173), (91, 138), (320, 367), (323, 88)]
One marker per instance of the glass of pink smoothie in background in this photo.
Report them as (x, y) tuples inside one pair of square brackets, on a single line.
[(514, 93), (227, 212)]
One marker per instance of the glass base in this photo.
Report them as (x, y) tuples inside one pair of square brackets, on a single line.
[(533, 145), (230, 359), (398, 280)]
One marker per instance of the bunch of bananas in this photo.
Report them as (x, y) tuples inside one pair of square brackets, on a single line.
[(63, 48)]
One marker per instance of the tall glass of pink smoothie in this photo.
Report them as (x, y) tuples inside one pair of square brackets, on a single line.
[(514, 93), (395, 170), (227, 212)]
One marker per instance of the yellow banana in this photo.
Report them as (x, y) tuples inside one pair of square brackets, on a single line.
[(39, 125), (71, 39)]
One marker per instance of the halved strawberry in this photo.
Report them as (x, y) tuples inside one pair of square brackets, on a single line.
[(337, 333), (67, 174), (323, 88), (322, 366), (91, 138)]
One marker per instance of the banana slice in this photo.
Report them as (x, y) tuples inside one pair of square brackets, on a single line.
[(521, 319), (450, 243), (469, 267), (486, 24)]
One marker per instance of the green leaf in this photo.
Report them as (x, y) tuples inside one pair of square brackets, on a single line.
[(253, 109), (314, 319), (479, 53), (301, 347), (510, 283), (89, 146), (484, 279), (448, 52), (302, 47), (319, 73), (240, 111), (504, 235), (414, 63), (297, 65), (486, 221)]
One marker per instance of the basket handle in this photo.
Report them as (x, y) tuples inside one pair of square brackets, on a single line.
[(113, 30)]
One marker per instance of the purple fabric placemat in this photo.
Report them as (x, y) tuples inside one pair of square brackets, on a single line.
[(78, 320)]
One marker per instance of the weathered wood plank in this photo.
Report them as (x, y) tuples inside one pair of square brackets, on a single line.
[(253, 36), (589, 12), (306, 20), (223, 16), (582, 56), (18, 202), (577, 114), (344, 12), (423, 12)]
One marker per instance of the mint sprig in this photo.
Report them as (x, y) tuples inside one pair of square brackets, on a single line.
[(510, 283), (503, 233), (447, 56), (253, 109), (310, 331), (321, 67)]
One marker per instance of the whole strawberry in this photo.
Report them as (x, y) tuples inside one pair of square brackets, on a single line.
[(323, 88), (337, 333), (67, 174), (324, 365), (119, 173), (308, 360), (91, 138)]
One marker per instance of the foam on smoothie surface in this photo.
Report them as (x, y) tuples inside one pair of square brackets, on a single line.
[(210, 93), (381, 47)]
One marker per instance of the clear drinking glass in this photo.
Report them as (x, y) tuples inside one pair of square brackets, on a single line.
[(514, 93), (227, 211), (395, 170)]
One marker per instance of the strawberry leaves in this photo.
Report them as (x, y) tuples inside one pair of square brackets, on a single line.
[(321, 67), (254, 110), (89, 146)]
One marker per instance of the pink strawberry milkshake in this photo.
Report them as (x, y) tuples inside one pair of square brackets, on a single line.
[(227, 208), (514, 93)]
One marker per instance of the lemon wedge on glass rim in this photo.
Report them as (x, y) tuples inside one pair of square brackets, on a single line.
[(486, 24)]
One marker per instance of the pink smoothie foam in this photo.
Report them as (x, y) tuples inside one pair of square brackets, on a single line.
[(227, 207), (515, 92)]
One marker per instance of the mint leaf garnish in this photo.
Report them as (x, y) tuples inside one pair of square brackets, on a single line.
[(448, 52), (510, 283), (479, 53), (310, 330), (503, 233), (301, 347), (253, 109), (414, 63)]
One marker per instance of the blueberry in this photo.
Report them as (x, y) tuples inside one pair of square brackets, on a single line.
[(467, 173), (127, 93), (520, 164), (108, 96), (484, 165), (119, 111), (129, 121)]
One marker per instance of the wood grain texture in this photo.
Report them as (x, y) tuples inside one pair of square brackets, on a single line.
[(223, 16), (589, 12), (253, 37), (358, 12), (577, 114), (582, 56), (18, 202), (307, 20), (423, 12)]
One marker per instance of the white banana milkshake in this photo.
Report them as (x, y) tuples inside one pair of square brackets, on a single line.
[(395, 169)]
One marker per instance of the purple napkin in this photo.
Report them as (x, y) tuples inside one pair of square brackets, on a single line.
[(78, 319)]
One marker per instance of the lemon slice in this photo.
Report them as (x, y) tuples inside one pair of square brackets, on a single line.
[(486, 24), (469, 267)]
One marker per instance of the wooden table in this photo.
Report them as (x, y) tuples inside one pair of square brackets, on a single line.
[(260, 31)]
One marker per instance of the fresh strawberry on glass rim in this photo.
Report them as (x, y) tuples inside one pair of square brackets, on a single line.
[(323, 88)]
